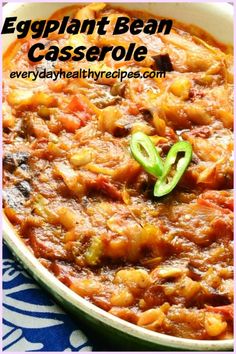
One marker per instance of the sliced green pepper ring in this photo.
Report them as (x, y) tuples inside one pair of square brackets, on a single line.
[(145, 152), (163, 186)]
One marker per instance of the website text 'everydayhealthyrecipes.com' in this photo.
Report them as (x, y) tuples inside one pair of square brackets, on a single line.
[(87, 74)]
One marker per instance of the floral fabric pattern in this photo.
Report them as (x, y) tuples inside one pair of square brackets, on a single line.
[(31, 320)]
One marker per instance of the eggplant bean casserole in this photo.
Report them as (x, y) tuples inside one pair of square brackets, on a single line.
[(124, 190)]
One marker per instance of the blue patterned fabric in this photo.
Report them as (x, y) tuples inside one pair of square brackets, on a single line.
[(31, 320)]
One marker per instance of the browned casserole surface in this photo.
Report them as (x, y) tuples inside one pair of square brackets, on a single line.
[(85, 207)]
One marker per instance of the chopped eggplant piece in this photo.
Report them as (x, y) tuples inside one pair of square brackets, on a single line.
[(12, 161), (13, 198), (147, 115), (162, 62), (118, 89), (24, 188), (107, 99), (45, 65), (24, 167), (122, 130)]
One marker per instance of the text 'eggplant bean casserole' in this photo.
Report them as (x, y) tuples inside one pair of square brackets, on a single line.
[(151, 246)]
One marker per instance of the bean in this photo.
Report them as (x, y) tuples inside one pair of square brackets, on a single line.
[(214, 324), (151, 319)]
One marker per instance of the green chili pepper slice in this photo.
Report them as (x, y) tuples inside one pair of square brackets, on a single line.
[(145, 152), (166, 184)]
